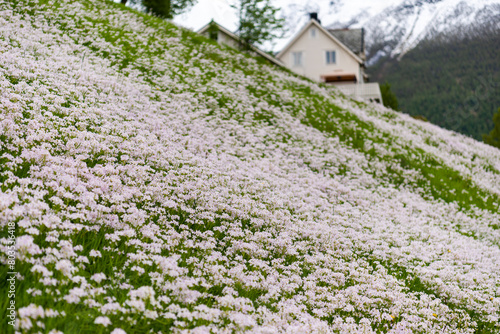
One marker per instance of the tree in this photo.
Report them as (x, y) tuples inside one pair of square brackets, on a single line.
[(493, 138), (164, 8), (213, 31), (258, 22), (388, 97)]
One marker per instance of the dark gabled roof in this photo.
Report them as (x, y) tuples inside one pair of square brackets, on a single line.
[(352, 38)]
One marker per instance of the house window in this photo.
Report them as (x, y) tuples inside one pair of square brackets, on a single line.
[(297, 58), (331, 57), (313, 32)]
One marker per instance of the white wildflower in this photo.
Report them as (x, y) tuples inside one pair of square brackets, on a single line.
[(95, 253), (98, 277), (102, 321)]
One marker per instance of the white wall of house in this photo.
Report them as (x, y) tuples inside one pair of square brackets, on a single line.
[(314, 44), (228, 40)]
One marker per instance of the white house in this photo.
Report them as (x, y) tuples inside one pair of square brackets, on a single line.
[(223, 36), (335, 57)]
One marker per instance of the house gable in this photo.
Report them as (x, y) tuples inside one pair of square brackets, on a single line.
[(322, 30), (322, 56), (225, 36)]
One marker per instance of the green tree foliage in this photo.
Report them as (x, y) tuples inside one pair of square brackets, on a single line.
[(453, 81), (258, 22), (163, 8), (388, 97), (493, 138), (213, 31)]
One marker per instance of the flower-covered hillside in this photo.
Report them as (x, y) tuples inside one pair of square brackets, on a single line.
[(153, 181)]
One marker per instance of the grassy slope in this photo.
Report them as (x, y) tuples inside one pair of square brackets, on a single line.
[(211, 177)]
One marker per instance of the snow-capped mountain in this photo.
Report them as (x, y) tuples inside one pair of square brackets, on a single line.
[(392, 26), (399, 28)]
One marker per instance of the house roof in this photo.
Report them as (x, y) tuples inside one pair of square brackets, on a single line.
[(237, 38), (352, 38), (327, 33)]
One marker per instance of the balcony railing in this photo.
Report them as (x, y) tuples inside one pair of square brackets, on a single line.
[(366, 91)]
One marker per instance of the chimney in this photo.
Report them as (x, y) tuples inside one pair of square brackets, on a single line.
[(314, 16)]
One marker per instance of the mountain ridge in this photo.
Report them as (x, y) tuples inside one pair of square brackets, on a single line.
[(451, 79)]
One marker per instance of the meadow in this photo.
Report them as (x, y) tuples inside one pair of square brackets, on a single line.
[(157, 182)]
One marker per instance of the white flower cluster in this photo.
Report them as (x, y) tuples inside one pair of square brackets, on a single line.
[(160, 183)]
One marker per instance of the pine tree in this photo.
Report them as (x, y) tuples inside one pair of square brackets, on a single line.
[(493, 138), (389, 99), (258, 22)]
